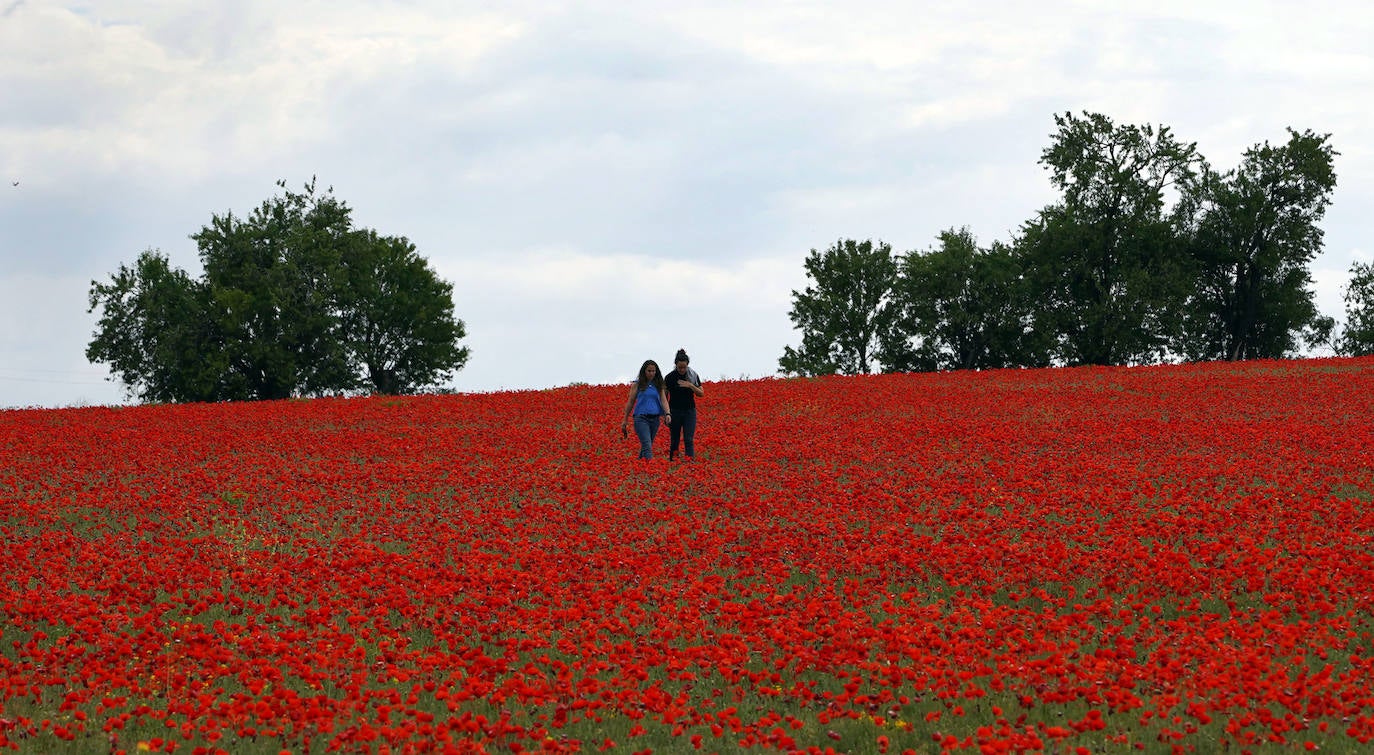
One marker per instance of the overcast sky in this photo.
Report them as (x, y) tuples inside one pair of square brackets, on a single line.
[(604, 182)]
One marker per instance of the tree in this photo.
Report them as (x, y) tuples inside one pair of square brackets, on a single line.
[(1357, 338), (396, 315), (1107, 263), (844, 312), (155, 333), (294, 302), (1255, 239), (961, 307), (271, 276)]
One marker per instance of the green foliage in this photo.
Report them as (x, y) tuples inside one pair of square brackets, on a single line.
[(294, 302), (961, 307), (1357, 338), (843, 315), (272, 275), (1107, 261), (156, 332), (1147, 255), (1256, 235), (396, 315)]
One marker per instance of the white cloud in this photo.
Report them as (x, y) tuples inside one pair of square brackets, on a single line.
[(955, 110), (188, 94), (43, 339), (554, 317), (578, 169), (581, 277)]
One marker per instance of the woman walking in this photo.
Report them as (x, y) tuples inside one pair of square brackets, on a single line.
[(648, 403), (684, 388)]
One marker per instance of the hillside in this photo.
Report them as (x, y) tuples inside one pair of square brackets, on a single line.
[(1012, 560)]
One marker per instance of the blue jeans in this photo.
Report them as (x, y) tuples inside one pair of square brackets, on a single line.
[(684, 424), (646, 427)]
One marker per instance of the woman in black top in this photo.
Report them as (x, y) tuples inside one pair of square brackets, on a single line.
[(684, 387)]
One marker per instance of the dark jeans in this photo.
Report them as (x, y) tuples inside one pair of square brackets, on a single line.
[(684, 424), (646, 427)]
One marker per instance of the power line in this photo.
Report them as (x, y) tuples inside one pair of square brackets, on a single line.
[(50, 380), (44, 375), (41, 369)]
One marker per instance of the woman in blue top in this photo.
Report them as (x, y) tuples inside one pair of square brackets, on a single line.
[(648, 404)]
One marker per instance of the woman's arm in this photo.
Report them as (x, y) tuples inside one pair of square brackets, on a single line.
[(663, 396), (687, 383), (630, 405)]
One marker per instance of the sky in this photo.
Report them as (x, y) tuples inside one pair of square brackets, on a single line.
[(605, 182)]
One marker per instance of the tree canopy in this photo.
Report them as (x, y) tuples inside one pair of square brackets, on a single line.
[(158, 332), (844, 311), (1256, 236), (294, 301), (1146, 255), (1106, 259), (960, 306), (1357, 338)]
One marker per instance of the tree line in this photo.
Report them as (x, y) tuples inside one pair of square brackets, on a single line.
[(293, 301), (1148, 254)]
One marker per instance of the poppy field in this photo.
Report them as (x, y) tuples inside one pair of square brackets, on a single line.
[(1086, 560)]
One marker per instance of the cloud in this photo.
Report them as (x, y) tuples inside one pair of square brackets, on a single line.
[(593, 318), (557, 160), (192, 94), (43, 338)]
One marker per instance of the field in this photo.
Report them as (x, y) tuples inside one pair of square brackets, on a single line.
[(1175, 558)]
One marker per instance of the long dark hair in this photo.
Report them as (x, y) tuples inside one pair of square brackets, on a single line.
[(643, 380)]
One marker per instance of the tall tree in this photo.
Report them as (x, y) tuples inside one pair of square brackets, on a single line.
[(1107, 260), (271, 277), (294, 302), (961, 307), (844, 312), (1256, 237), (156, 333), (396, 315), (1357, 337)]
